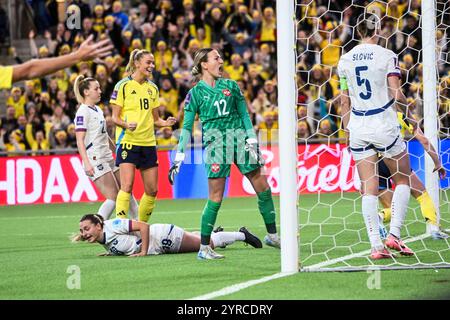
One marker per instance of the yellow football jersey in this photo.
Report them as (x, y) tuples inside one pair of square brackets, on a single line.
[(19, 105), (6, 74), (137, 102)]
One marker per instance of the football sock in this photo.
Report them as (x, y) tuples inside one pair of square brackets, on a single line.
[(208, 220), (107, 208), (134, 207), (427, 208), (146, 206), (386, 214), (399, 205), (222, 239), (267, 210), (122, 204), (370, 214)]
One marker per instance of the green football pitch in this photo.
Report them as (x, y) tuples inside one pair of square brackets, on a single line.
[(38, 261)]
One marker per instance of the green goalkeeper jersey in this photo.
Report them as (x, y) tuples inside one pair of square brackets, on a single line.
[(220, 108)]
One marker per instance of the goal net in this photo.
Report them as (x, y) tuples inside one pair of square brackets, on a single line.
[(332, 233)]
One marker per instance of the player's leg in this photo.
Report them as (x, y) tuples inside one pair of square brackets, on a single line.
[(108, 187), (385, 190), (400, 167), (127, 172), (148, 199), (216, 188), (385, 198), (133, 213), (126, 160), (265, 205), (427, 208), (149, 173), (367, 171)]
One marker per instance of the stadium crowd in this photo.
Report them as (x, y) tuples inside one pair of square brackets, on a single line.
[(39, 113)]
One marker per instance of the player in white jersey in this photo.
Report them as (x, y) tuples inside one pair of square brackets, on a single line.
[(94, 145), (138, 238), (370, 93)]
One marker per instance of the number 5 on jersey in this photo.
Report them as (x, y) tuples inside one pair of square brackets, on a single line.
[(221, 106), (360, 81)]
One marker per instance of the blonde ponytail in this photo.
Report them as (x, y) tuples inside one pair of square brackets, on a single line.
[(76, 89), (135, 55), (81, 84)]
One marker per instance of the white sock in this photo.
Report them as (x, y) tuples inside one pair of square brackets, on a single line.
[(432, 228), (222, 239), (107, 208), (370, 214), (399, 205), (133, 214)]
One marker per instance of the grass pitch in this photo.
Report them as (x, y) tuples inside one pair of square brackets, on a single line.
[(38, 259)]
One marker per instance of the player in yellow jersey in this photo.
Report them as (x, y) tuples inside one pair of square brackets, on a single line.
[(37, 68), (418, 190), (135, 102)]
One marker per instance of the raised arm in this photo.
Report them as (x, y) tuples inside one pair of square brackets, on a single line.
[(243, 113), (429, 148), (37, 68)]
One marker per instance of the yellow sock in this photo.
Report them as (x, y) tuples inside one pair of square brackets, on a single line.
[(386, 214), (146, 206), (427, 208), (122, 204)]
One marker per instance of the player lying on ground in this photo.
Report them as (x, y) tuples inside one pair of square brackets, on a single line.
[(418, 190), (138, 238)]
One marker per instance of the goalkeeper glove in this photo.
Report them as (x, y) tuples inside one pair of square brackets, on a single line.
[(175, 168), (251, 146)]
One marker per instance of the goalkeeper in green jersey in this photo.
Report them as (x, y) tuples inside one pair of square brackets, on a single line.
[(228, 137)]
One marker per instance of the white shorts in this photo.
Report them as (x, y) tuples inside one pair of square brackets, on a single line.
[(385, 140), (165, 238), (102, 168)]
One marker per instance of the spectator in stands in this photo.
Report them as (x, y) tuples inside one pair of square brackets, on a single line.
[(9, 121), (268, 129), (17, 101), (60, 140), (303, 130), (59, 119), (236, 69)]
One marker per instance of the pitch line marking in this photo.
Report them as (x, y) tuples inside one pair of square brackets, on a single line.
[(240, 286)]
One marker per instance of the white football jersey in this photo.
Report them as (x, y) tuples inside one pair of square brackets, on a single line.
[(92, 121), (366, 68), (119, 240)]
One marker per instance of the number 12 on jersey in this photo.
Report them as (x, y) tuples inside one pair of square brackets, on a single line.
[(360, 81), (221, 104)]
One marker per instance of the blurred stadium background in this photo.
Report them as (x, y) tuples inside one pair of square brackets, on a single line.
[(39, 165)]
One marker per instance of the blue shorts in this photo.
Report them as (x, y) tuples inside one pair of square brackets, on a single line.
[(143, 157)]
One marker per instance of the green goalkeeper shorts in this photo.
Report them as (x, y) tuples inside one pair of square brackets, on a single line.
[(218, 160)]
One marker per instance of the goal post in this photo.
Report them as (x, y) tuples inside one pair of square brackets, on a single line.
[(430, 96), (287, 136)]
